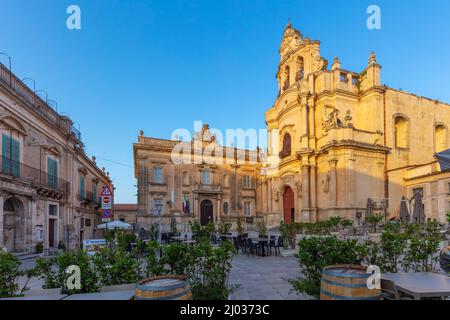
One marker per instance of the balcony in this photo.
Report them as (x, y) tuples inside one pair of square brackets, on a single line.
[(89, 198), (33, 101), (47, 185), (207, 188)]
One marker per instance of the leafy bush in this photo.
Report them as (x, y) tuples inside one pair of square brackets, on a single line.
[(374, 220), (53, 271), (39, 247), (288, 233), (206, 267), (262, 229), (223, 227), (318, 252), (208, 270), (9, 273), (116, 266), (202, 233)]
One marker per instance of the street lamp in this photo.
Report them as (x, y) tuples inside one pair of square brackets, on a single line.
[(34, 88), (159, 207), (10, 70)]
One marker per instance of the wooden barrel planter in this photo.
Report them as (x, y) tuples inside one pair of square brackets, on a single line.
[(346, 282), (166, 287)]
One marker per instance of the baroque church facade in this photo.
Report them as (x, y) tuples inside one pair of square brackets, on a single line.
[(336, 138)]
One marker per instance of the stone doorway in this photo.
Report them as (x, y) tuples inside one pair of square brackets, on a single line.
[(14, 225), (288, 205), (206, 212)]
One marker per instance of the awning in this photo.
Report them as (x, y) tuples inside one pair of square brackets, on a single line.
[(444, 160)]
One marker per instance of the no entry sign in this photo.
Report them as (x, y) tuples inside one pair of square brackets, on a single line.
[(106, 202)]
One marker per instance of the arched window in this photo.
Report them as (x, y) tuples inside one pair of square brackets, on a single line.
[(299, 69), (401, 132), (225, 207), (286, 151), (287, 81), (185, 178), (440, 138)]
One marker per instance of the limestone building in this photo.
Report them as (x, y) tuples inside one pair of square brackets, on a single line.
[(49, 188), (336, 138), (215, 188)]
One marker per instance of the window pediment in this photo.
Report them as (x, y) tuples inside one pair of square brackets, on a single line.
[(12, 123)]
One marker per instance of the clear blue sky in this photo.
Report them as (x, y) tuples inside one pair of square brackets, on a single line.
[(160, 65)]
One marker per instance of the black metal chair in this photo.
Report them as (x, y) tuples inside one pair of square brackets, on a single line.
[(252, 248), (271, 244)]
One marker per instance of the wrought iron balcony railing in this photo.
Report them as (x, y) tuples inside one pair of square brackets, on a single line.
[(34, 101), (38, 178)]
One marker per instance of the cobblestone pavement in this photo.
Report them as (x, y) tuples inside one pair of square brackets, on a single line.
[(264, 278)]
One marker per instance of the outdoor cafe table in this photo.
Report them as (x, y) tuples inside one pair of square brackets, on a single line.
[(113, 295), (420, 284), (262, 242)]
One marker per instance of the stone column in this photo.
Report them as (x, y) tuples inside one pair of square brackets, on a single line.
[(313, 191), (333, 183), (31, 236), (219, 208), (305, 193), (2, 201)]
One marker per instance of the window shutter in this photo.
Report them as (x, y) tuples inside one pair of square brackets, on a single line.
[(15, 156), (6, 154)]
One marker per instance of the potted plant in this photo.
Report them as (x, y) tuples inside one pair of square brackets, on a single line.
[(239, 228), (373, 220), (289, 235), (39, 247), (262, 229)]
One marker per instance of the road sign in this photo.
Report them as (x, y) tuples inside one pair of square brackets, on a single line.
[(106, 202), (106, 214), (106, 192)]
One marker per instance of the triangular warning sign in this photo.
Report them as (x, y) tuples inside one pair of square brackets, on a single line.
[(106, 192)]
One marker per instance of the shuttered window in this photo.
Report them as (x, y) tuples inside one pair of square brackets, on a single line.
[(52, 173), (10, 155), (81, 191)]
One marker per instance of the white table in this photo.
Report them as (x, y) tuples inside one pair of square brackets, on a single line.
[(420, 284), (113, 295)]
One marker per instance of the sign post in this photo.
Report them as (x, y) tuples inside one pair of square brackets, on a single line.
[(106, 205)]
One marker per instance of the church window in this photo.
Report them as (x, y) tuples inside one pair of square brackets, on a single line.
[(401, 132), (440, 138), (286, 151)]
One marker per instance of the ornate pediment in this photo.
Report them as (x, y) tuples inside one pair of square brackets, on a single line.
[(10, 122), (292, 39)]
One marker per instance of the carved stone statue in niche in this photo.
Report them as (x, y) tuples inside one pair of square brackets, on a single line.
[(299, 189), (318, 62), (277, 196), (330, 118)]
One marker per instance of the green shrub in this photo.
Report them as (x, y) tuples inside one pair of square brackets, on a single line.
[(116, 266), (374, 220), (9, 274), (39, 247), (53, 272), (288, 232), (318, 252)]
